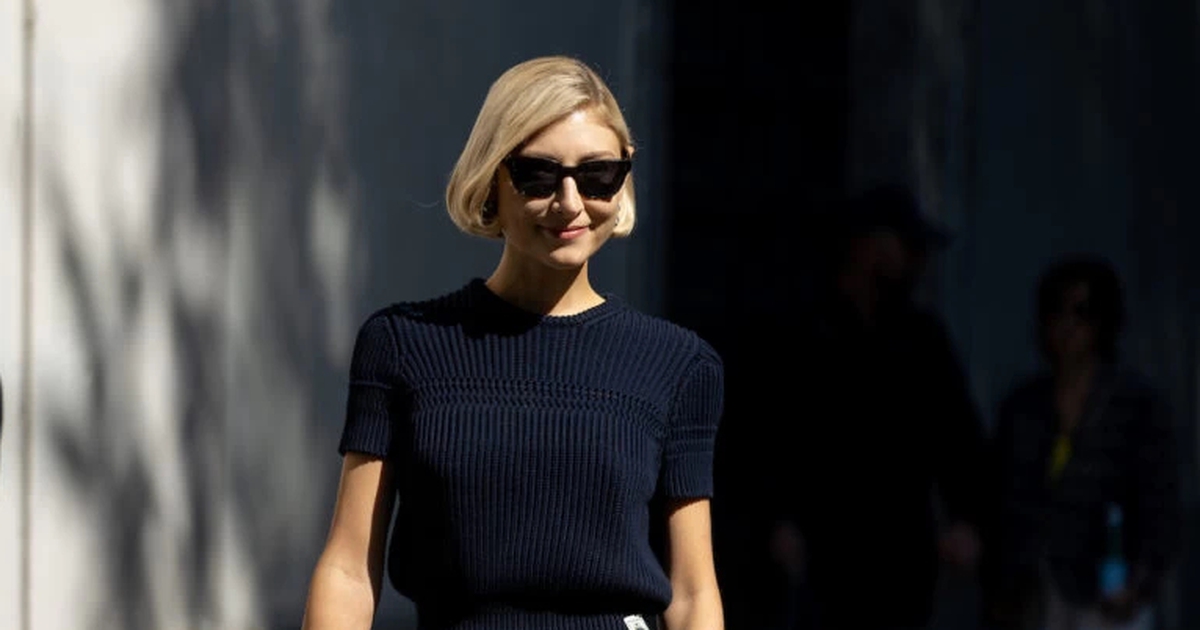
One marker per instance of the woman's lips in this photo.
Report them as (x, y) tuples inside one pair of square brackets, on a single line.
[(567, 234)]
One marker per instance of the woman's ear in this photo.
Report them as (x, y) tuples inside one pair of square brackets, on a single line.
[(490, 207)]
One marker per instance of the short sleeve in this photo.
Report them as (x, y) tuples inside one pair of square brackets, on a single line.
[(374, 373), (687, 467)]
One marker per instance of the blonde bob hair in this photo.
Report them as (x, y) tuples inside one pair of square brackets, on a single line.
[(526, 99)]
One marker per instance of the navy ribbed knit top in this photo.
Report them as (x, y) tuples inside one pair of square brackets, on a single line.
[(533, 455)]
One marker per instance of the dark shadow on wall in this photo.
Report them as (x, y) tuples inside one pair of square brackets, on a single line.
[(1161, 64), (202, 57), (104, 452), (261, 90), (109, 479), (1054, 148), (758, 136)]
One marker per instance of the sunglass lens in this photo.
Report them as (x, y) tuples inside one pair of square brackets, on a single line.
[(533, 177), (537, 178), (601, 179)]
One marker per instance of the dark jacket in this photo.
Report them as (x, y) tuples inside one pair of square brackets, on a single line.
[(872, 422), (1123, 453)]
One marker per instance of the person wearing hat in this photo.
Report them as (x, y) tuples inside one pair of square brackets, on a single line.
[(882, 244), (877, 417)]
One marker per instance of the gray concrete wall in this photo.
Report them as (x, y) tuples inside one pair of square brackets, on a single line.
[(224, 190)]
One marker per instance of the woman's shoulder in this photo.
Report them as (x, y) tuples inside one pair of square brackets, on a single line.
[(445, 310), (653, 331), (431, 309)]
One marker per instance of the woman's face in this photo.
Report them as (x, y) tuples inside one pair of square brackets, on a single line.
[(563, 228), (1070, 330)]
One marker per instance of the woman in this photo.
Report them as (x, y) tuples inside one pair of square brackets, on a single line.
[(536, 433), (1088, 506)]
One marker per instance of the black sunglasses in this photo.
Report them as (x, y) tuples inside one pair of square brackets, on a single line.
[(537, 178)]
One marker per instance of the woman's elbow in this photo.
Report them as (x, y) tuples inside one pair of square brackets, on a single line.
[(340, 597), (696, 608)]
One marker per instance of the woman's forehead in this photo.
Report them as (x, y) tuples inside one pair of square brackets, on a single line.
[(578, 134)]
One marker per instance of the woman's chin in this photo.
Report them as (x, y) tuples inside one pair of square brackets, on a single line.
[(565, 261), (572, 256)]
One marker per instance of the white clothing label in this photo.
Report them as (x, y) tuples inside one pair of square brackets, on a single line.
[(635, 622)]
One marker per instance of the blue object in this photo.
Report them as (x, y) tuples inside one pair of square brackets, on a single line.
[(1114, 572)]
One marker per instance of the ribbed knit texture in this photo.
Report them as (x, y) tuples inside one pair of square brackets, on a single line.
[(532, 453)]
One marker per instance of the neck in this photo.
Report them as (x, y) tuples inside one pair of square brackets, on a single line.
[(537, 288), (1075, 374), (857, 288)]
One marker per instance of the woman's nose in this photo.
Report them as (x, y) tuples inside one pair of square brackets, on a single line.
[(568, 198)]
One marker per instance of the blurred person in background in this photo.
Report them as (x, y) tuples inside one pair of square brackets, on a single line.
[(550, 447), (1088, 509), (876, 415)]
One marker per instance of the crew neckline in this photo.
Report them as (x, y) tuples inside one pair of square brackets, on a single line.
[(488, 298)]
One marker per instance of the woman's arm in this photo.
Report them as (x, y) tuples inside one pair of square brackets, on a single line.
[(345, 585), (696, 600)]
